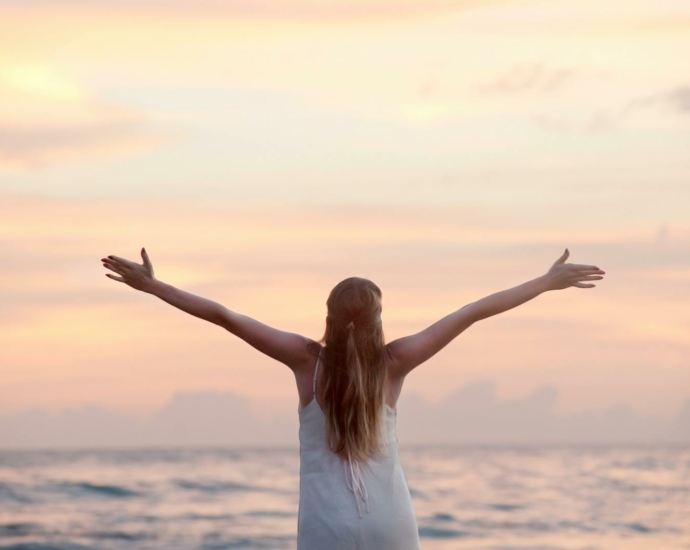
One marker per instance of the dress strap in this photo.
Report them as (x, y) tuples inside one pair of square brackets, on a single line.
[(316, 370)]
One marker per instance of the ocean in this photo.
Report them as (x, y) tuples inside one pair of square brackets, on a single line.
[(465, 497)]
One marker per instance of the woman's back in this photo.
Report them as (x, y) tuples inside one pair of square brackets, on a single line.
[(347, 505)]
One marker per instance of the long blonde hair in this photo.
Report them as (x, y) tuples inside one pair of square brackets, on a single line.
[(354, 370)]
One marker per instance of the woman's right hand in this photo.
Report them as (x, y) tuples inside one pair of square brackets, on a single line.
[(138, 276), (562, 275)]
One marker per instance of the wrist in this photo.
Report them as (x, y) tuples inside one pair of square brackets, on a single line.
[(544, 283), (154, 287)]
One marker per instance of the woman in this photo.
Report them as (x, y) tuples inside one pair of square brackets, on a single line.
[(353, 492)]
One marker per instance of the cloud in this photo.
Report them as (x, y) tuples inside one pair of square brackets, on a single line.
[(36, 147), (675, 101), (539, 79), (472, 414), (527, 78), (47, 119), (679, 99), (202, 418)]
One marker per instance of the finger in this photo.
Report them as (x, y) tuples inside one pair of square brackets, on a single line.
[(129, 266), (591, 271), (563, 257), (108, 259), (145, 257), (582, 266), (583, 285), (120, 260), (120, 279), (114, 268), (115, 265), (590, 278)]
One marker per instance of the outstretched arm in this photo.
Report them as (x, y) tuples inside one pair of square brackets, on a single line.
[(286, 347), (410, 351)]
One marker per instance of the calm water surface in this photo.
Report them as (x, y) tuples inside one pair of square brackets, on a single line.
[(541, 498)]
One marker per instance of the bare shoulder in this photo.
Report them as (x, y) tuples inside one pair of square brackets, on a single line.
[(395, 378), (306, 365), (392, 362)]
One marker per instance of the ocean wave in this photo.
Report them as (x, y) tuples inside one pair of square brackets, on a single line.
[(87, 488), (442, 517), (10, 493), (224, 487), (19, 529), (195, 516), (253, 543), (639, 528), (247, 543), (415, 493), (436, 533), (489, 525), (271, 514), (46, 546), (120, 535), (505, 507), (213, 487)]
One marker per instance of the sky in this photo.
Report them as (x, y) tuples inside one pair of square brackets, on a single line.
[(262, 152)]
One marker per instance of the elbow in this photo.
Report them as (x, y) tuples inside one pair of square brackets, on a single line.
[(474, 313), (223, 317)]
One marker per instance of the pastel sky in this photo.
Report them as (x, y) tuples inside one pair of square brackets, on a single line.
[(264, 151)]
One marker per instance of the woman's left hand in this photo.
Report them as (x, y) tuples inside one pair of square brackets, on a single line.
[(138, 276)]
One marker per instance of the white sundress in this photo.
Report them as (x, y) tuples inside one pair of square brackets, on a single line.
[(344, 505)]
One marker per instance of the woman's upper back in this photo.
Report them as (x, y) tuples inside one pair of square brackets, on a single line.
[(311, 376)]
